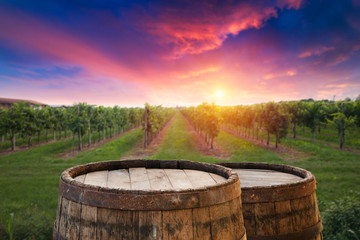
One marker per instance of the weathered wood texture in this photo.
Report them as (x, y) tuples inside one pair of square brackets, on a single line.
[(150, 199), (279, 202)]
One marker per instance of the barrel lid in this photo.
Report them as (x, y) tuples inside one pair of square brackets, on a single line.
[(150, 179), (265, 182), (264, 177), (150, 184)]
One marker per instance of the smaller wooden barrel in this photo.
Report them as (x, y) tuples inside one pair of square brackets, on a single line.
[(149, 199), (279, 202)]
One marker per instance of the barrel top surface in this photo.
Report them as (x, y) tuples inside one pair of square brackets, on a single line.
[(263, 177), (151, 179), (149, 184)]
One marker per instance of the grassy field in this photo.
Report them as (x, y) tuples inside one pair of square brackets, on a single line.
[(330, 135), (177, 144), (29, 182), (29, 179)]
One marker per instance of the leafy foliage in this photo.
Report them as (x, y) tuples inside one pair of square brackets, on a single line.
[(206, 119), (156, 118), (25, 121), (342, 219)]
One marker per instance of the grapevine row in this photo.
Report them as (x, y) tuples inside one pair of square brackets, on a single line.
[(274, 118), (27, 121), (155, 119)]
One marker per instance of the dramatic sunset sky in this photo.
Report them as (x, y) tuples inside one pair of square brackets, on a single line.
[(179, 52)]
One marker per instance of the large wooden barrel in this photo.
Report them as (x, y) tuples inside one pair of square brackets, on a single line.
[(279, 202), (149, 199)]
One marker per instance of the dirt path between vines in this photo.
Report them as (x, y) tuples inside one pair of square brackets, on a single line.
[(138, 151), (284, 152), (203, 148)]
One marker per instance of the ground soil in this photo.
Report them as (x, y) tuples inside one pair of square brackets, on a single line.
[(285, 152), (138, 152), (201, 146)]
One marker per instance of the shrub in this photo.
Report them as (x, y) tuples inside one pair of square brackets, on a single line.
[(342, 219)]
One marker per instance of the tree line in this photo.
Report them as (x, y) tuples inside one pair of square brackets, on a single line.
[(28, 121), (275, 119)]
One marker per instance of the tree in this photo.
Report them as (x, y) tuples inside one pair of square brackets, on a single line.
[(14, 120), (102, 120), (46, 119), (123, 118), (206, 119), (266, 118), (312, 115), (30, 124), (60, 115), (78, 121), (357, 111), (213, 123), (276, 122), (342, 122), (294, 111), (91, 120), (3, 126)]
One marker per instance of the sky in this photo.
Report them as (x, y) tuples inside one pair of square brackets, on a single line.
[(181, 52)]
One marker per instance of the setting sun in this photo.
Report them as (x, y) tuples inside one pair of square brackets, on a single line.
[(219, 94)]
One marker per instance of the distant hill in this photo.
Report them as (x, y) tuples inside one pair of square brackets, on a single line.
[(9, 102)]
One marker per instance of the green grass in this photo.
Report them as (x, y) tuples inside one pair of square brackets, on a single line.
[(21, 141), (29, 182), (336, 171), (245, 151), (177, 144), (330, 135)]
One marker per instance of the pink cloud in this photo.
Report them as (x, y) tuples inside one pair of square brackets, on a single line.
[(194, 34), (315, 52), (199, 72), (286, 73)]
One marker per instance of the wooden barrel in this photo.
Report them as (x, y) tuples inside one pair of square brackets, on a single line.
[(279, 202), (149, 199)]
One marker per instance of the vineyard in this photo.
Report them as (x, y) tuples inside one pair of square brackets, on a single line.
[(25, 122), (278, 119), (324, 133)]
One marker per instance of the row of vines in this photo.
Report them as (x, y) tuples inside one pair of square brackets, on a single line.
[(155, 119), (25, 122), (206, 119), (275, 118)]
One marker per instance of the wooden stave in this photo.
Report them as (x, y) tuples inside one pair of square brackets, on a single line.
[(232, 185), (277, 194)]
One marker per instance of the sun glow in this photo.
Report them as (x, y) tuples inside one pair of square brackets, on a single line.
[(219, 94)]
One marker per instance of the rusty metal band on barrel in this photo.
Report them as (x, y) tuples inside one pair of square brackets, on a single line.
[(308, 233)]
